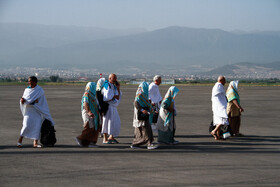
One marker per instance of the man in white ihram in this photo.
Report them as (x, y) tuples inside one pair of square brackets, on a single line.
[(155, 97), (111, 121), (35, 110), (219, 107)]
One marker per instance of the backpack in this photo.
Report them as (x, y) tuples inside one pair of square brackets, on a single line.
[(103, 105), (47, 134)]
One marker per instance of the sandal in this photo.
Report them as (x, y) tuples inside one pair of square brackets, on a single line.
[(215, 135), (19, 145), (37, 146), (108, 142)]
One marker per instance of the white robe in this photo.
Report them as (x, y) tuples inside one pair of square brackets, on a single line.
[(34, 114), (219, 104), (111, 121), (154, 94)]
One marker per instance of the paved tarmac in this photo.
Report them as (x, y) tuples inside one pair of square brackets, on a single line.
[(198, 160)]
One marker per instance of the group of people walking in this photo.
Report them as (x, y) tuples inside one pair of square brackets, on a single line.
[(151, 110), (152, 114), (100, 115)]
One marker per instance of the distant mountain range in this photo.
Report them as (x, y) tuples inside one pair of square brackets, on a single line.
[(176, 50), (19, 37), (246, 70)]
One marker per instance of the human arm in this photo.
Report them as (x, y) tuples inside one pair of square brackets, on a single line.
[(237, 105), (118, 90), (110, 93), (22, 100), (86, 107), (139, 108), (169, 108)]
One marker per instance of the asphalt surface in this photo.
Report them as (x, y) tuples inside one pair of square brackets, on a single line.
[(199, 160)]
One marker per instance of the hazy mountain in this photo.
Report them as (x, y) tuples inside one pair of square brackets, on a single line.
[(172, 49), (246, 70), (18, 37)]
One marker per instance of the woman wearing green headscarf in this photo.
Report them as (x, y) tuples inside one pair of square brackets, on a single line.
[(143, 133), (91, 118), (166, 120), (234, 108)]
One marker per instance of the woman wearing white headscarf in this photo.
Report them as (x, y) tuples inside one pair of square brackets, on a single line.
[(91, 118), (166, 120), (142, 118), (234, 108)]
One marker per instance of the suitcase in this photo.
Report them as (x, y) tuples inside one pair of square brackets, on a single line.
[(48, 138)]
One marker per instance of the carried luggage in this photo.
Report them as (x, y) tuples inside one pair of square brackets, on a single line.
[(48, 138), (225, 131), (103, 105)]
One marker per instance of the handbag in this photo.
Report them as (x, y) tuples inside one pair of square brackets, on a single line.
[(142, 116), (155, 117)]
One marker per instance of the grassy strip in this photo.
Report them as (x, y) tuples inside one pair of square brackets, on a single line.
[(124, 83)]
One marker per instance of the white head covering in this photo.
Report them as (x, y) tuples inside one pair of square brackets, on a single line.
[(234, 84), (156, 77)]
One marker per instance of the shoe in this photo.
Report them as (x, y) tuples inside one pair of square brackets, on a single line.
[(92, 145), (175, 142), (114, 141), (19, 145), (134, 146), (152, 146), (37, 146), (79, 142)]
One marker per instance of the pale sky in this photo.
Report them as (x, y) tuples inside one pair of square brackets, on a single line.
[(247, 15)]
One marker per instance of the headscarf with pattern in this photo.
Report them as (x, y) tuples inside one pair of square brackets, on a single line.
[(168, 100), (142, 97), (232, 91), (90, 98)]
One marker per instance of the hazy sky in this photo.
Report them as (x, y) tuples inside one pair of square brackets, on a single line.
[(247, 15)]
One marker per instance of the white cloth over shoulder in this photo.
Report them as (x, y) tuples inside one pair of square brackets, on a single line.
[(111, 121), (219, 104), (154, 94), (34, 112)]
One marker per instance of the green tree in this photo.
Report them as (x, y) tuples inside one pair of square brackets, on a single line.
[(54, 78)]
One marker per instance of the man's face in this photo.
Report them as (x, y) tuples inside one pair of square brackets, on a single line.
[(223, 81), (31, 83), (113, 79), (158, 82)]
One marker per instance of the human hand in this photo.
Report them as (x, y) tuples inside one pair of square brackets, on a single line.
[(145, 112), (22, 100), (86, 125), (91, 115)]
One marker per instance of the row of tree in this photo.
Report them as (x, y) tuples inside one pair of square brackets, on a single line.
[(55, 78)]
